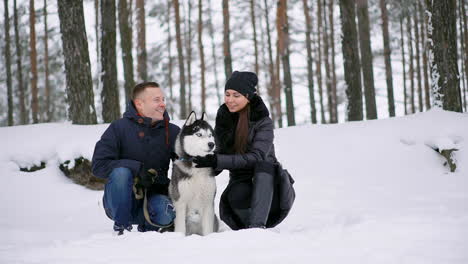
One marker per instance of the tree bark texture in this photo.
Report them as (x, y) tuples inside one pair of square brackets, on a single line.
[(334, 113), (411, 64), (33, 60), (326, 55), (21, 87), (423, 19), (310, 73), (418, 57), (445, 75), (141, 43), (366, 58), (202, 54), (284, 53), (213, 54), (351, 62), (318, 61), (110, 88), (465, 41), (388, 59), (8, 64), (226, 41), (271, 69), (188, 46), (403, 61), (77, 66), (126, 46), (48, 92), (183, 106), (255, 42)]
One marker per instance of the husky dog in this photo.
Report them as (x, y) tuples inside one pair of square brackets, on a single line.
[(192, 189)]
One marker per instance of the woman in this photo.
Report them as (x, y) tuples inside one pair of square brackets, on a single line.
[(256, 196)]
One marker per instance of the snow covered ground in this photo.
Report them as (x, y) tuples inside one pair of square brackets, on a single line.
[(367, 192)]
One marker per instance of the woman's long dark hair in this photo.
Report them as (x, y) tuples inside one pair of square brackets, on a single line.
[(242, 130)]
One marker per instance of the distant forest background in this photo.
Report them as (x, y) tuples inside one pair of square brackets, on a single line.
[(318, 61)]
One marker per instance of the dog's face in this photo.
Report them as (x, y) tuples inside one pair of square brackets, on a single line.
[(197, 136)]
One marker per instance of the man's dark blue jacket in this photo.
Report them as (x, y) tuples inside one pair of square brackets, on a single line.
[(133, 142)]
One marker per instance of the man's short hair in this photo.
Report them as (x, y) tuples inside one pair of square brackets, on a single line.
[(139, 88)]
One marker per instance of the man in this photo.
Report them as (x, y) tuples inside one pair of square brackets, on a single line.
[(133, 154)]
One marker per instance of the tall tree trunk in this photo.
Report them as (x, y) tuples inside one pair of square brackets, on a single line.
[(318, 61), (110, 92), (265, 65), (271, 69), (427, 96), (334, 114), (351, 62), (411, 65), (126, 46), (188, 45), (254, 27), (77, 66), (213, 53), (98, 40), (141, 43), (310, 74), (169, 55), (388, 59), (405, 92), (21, 88), (202, 54), (366, 58), (8, 64), (284, 52), (418, 64), (445, 76), (33, 59), (226, 41), (183, 106), (48, 91), (465, 38), (327, 60), (463, 56)]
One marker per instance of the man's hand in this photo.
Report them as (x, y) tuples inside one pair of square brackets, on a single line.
[(209, 161), (147, 177)]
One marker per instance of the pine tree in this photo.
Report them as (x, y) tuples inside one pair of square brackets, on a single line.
[(366, 58), (8, 64), (226, 41), (444, 68), (48, 88), (33, 59), (126, 46), (283, 37), (141, 43), (19, 71), (388, 59), (202, 55), (351, 62), (77, 66), (110, 92), (183, 106), (310, 74)]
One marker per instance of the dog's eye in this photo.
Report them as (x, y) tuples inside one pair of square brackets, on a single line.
[(198, 134)]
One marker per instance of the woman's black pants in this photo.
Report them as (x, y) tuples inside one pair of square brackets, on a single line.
[(253, 201)]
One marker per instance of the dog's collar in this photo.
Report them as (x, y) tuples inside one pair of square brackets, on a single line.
[(186, 159)]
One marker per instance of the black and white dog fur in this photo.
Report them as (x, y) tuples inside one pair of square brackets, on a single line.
[(192, 189)]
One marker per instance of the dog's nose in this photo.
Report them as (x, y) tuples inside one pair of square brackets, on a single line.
[(211, 145)]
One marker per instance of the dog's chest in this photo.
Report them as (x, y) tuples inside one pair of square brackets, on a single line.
[(200, 185)]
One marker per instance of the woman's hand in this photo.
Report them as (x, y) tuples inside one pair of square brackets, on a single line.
[(209, 161)]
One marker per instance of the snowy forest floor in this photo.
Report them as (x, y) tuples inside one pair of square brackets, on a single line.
[(367, 192)]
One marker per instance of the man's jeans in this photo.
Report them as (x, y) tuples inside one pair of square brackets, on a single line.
[(120, 203)]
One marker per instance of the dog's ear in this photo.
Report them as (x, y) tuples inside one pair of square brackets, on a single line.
[(203, 116), (191, 119)]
